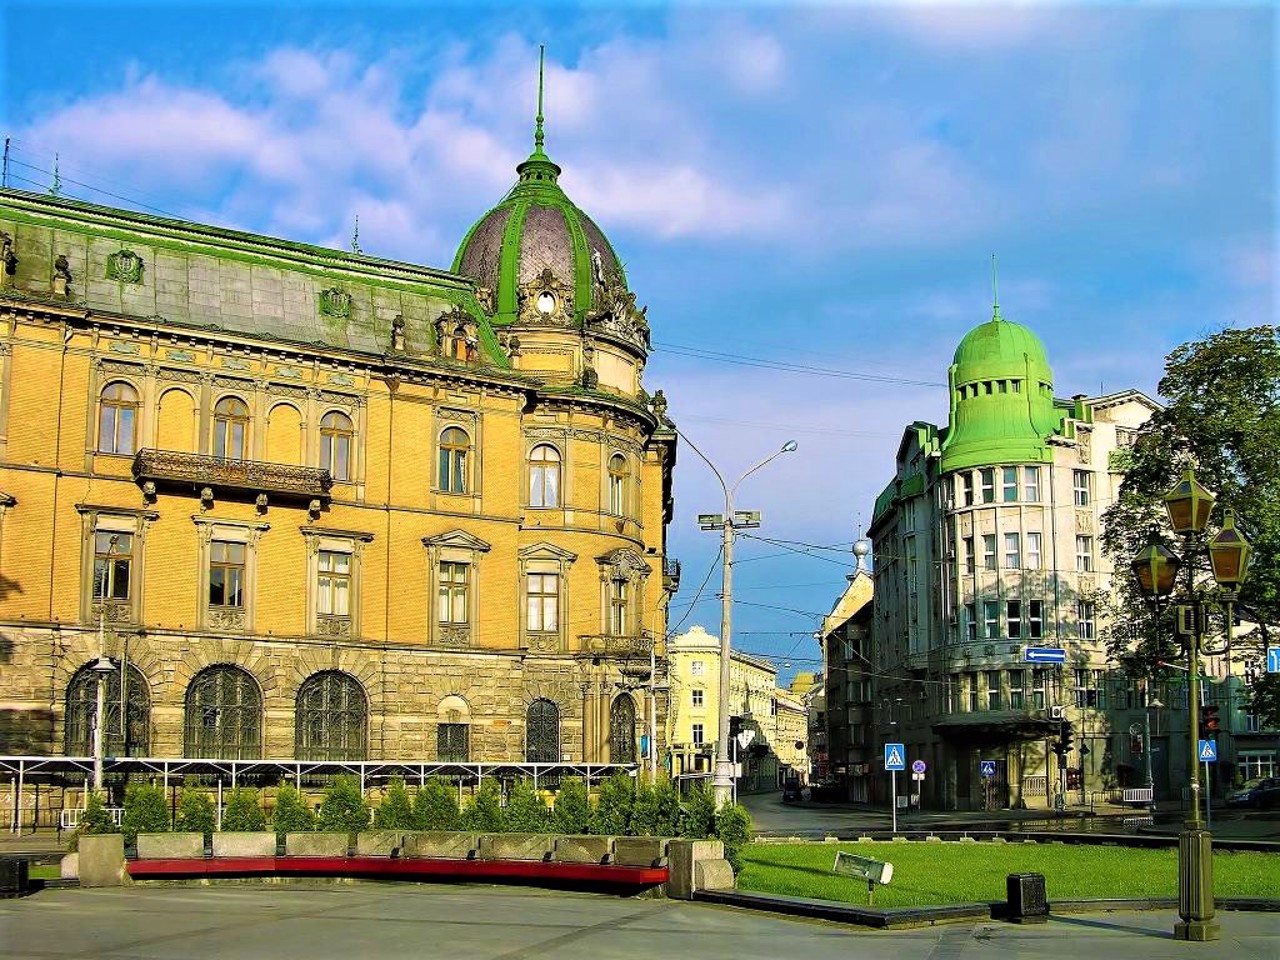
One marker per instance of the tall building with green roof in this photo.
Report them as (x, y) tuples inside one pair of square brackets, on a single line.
[(987, 544)]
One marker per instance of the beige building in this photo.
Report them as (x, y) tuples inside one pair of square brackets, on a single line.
[(844, 711), (315, 505)]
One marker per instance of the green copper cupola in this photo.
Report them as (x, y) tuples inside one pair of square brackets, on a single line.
[(1001, 409)]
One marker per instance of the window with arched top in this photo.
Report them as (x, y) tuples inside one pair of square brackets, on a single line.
[(130, 739), (118, 419), (618, 475), (622, 730), (542, 732), (336, 433), (544, 476), (230, 428), (455, 448), (223, 715), (332, 718)]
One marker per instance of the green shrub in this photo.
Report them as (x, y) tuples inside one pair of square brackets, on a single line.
[(94, 819), (292, 815), (195, 813), (343, 808), (526, 812), (436, 806), (145, 811), (612, 816), (485, 814), (733, 829), (243, 812), (644, 812), (668, 819), (573, 808), (698, 818), (395, 812)]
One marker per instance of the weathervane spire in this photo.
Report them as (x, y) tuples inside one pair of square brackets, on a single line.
[(537, 129), (995, 290)]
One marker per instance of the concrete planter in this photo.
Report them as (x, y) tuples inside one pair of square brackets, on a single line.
[(696, 864), (316, 844), (249, 844), (640, 851), (170, 846), (516, 846), (69, 869), (379, 843), (440, 845), (102, 861), (583, 849)]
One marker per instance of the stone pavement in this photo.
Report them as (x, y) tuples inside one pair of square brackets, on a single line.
[(341, 922)]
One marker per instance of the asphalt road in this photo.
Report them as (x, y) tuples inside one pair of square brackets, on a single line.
[(342, 922)]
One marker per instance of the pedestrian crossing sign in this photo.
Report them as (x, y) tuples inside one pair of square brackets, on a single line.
[(1208, 751), (895, 756)]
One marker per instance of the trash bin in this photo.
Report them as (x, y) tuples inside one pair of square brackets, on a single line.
[(13, 877), (1028, 902)]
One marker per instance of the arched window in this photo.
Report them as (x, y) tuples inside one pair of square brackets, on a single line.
[(224, 715), (542, 732), (230, 428), (455, 446), (336, 432), (544, 476), (622, 730), (134, 739), (618, 484), (118, 419), (332, 718)]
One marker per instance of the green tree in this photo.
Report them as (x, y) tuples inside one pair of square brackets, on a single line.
[(195, 813), (145, 811), (667, 823), (698, 818), (292, 815), (243, 812), (573, 807), (526, 812), (733, 829), (645, 812), (436, 806), (485, 814), (612, 815), (395, 812), (94, 819), (343, 808), (1222, 417)]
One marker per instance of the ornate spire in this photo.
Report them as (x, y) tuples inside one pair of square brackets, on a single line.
[(995, 291), (537, 128), (538, 168)]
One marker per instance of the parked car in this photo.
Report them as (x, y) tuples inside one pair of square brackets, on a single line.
[(1263, 794), (791, 792)]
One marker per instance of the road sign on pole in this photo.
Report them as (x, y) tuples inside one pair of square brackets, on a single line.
[(987, 768), (895, 756), (919, 766), (1044, 654), (1273, 659), (1208, 751)]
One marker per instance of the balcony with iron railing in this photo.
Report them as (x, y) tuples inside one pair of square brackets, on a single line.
[(621, 647), (220, 473), (670, 575)]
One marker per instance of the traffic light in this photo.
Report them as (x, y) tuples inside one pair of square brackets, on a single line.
[(1210, 723), (1063, 745)]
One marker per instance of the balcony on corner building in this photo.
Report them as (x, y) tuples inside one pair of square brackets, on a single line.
[(636, 647), (208, 474), (670, 575)]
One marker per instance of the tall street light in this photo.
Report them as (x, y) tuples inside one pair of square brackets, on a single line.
[(728, 522), (1189, 506)]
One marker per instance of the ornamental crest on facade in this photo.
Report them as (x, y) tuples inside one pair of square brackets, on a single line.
[(335, 302), (125, 266), (545, 301)]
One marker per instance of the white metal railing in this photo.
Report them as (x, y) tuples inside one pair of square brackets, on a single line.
[(69, 818)]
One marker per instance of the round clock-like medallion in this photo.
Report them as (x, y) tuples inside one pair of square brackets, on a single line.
[(546, 303)]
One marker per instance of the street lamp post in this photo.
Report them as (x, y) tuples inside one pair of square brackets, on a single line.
[(1188, 505), (732, 520), (103, 669)]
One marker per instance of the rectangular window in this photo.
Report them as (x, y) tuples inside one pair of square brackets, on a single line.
[(971, 622), (112, 564), (988, 485), (226, 574), (1084, 619), (454, 591), (993, 689), (989, 551), (1034, 556), (991, 618), (544, 602), (1016, 699), (1084, 554), (1013, 618), (968, 489), (1031, 484), (1081, 686), (1099, 690), (970, 556), (334, 585), (1037, 688), (618, 608), (971, 684), (1010, 492), (1012, 551), (696, 668), (697, 695), (697, 733), (1082, 485), (1035, 619), (453, 742)]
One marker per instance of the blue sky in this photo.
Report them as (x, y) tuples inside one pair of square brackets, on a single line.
[(815, 185)]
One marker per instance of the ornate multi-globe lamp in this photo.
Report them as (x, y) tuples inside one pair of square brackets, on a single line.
[(1156, 568)]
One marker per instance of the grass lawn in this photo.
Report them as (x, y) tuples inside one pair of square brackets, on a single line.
[(44, 871), (936, 873)]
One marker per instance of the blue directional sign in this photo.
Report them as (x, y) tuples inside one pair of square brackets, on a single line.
[(987, 768), (895, 756), (1045, 655), (1208, 751), (1273, 659)]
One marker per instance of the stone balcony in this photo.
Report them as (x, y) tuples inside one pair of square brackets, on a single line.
[(620, 647), (216, 473)]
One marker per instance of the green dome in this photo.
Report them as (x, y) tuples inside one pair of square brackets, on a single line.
[(1002, 409)]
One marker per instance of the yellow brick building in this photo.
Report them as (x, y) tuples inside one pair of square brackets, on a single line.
[(326, 506)]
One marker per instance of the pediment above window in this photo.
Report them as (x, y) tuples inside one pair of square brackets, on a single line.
[(623, 564), (458, 540), (547, 551)]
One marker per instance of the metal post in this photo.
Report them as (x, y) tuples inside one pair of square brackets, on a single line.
[(1195, 843), (894, 798), (100, 710), (724, 782)]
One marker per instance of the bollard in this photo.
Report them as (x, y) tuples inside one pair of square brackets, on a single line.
[(1028, 902)]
